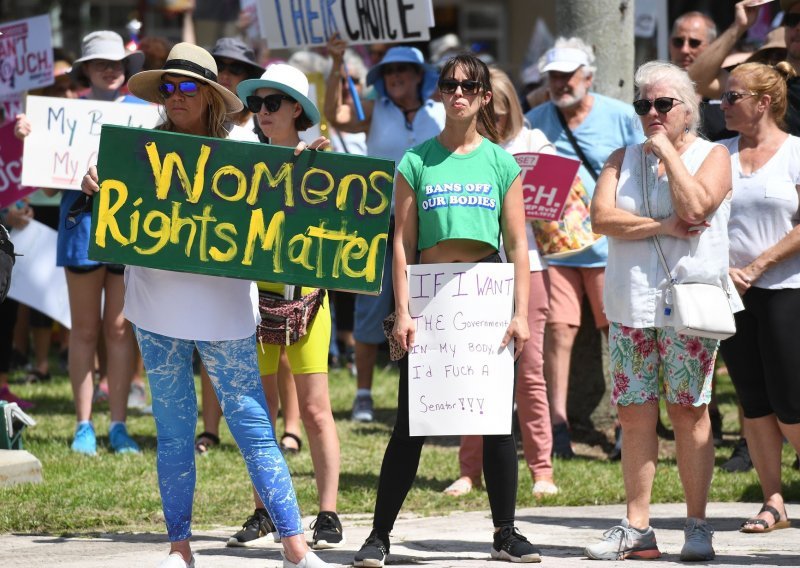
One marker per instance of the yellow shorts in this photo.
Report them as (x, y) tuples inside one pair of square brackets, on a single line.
[(310, 353)]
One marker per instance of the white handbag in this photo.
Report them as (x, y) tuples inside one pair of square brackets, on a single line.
[(697, 308)]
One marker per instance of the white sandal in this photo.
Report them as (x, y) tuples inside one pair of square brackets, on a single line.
[(459, 487), (543, 488)]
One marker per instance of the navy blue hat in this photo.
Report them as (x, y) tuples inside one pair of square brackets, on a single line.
[(236, 49), (404, 54)]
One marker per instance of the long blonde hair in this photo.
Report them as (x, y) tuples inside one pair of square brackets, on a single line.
[(216, 118), (506, 102)]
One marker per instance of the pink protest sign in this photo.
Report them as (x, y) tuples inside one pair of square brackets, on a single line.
[(546, 181), (11, 167)]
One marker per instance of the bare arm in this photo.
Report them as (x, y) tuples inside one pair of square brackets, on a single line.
[(706, 70), (405, 250), (516, 246), (342, 116)]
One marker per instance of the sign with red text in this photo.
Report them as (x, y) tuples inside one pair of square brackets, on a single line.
[(65, 137), (290, 24), (459, 380), (546, 182), (26, 55), (11, 167)]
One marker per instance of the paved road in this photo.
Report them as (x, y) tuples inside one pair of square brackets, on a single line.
[(457, 540)]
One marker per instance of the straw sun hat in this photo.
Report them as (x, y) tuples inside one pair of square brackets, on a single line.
[(186, 60)]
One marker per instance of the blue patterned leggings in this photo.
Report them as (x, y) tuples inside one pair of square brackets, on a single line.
[(233, 369)]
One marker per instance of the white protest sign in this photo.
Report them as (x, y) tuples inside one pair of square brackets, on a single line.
[(296, 23), (36, 281), (26, 55), (65, 137), (459, 381)]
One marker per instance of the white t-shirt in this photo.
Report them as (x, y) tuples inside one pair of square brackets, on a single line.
[(530, 140), (192, 306), (765, 208)]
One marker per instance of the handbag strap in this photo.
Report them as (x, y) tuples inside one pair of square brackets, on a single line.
[(575, 146), (645, 200)]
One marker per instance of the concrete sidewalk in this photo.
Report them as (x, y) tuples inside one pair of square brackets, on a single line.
[(460, 539)]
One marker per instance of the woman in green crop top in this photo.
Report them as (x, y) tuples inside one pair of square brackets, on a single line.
[(455, 195)]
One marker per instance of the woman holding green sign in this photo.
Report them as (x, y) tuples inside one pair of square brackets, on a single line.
[(163, 308), (452, 233)]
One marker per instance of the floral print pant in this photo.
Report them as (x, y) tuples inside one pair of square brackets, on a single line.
[(233, 369), (687, 363)]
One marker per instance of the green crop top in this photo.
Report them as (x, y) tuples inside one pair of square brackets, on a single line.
[(459, 196)]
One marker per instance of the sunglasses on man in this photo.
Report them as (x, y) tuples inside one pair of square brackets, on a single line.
[(662, 104), (679, 42), (468, 87), (271, 102), (187, 88)]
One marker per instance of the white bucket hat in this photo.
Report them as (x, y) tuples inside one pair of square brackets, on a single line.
[(186, 60), (286, 79), (106, 45)]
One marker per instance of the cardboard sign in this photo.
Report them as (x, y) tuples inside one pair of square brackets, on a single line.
[(11, 167), (241, 209), (546, 182), (291, 23), (459, 381), (65, 135), (36, 281), (26, 55)]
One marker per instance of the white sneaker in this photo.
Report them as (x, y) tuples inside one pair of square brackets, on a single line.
[(175, 560), (310, 560), (543, 487)]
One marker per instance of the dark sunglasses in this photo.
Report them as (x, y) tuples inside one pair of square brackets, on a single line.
[(232, 67), (731, 97), (187, 88), (662, 104), (272, 102), (679, 42), (791, 20), (468, 87), (389, 68)]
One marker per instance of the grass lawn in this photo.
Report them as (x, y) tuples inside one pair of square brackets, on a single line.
[(119, 493)]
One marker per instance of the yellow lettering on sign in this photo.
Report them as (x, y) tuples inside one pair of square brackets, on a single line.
[(271, 237), (300, 257), (177, 223), (161, 234), (106, 220), (284, 175), (241, 182), (162, 172), (314, 196), (374, 177), (226, 232)]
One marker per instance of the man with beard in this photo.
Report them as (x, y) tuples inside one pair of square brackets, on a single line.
[(598, 125)]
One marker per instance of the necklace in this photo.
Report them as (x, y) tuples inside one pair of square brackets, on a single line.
[(406, 113)]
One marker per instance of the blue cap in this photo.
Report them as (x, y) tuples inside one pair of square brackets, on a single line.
[(404, 54)]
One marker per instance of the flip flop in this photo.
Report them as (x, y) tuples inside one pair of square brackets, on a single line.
[(459, 487), (778, 524), (288, 449), (205, 441)]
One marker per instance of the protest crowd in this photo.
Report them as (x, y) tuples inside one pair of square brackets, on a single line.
[(308, 213)]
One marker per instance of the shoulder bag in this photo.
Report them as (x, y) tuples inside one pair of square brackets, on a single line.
[(697, 308)]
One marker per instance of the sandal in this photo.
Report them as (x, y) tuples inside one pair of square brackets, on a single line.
[(205, 441), (289, 449), (459, 487), (765, 526), (36, 376)]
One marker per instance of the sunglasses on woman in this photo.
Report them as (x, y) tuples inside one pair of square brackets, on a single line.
[(731, 97), (662, 104), (271, 102), (468, 87), (187, 88)]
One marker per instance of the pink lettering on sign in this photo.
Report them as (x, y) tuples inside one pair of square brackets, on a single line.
[(11, 167), (546, 182)]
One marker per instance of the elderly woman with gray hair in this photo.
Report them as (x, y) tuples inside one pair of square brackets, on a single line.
[(672, 191)]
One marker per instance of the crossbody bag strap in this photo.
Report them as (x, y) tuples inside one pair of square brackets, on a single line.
[(575, 146), (645, 170)]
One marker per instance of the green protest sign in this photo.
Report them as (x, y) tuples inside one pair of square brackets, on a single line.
[(241, 209)]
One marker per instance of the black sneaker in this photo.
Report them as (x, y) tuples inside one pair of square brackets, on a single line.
[(739, 461), (327, 531), (510, 545), (373, 552), (716, 426), (257, 529), (562, 443)]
